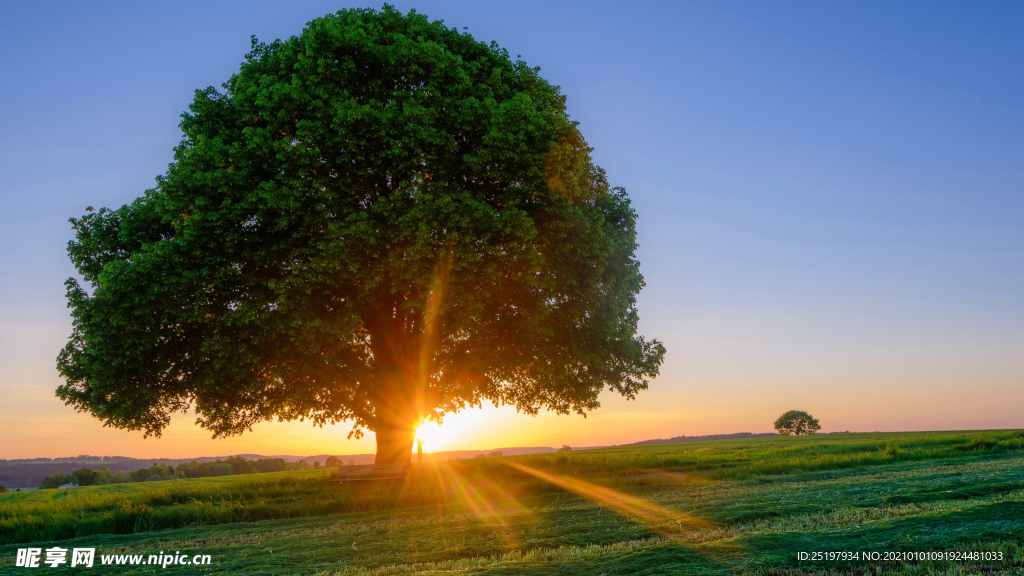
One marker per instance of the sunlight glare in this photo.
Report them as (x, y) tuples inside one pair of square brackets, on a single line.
[(465, 430), (434, 436)]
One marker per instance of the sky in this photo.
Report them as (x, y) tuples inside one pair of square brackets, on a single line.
[(830, 200)]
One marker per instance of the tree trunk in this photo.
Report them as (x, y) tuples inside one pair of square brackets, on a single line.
[(394, 443)]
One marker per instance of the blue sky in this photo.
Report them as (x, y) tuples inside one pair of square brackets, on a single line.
[(831, 200)]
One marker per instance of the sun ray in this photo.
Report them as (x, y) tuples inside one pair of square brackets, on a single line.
[(482, 498), (673, 524)]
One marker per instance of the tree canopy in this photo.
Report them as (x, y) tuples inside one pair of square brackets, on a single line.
[(377, 221), (797, 422)]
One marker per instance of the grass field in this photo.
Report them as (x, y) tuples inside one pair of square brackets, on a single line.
[(725, 507)]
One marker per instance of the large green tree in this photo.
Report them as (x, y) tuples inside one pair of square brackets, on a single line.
[(377, 221)]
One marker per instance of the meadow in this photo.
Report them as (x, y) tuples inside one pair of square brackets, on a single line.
[(747, 506)]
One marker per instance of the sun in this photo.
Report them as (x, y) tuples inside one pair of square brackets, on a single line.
[(464, 430), (436, 437)]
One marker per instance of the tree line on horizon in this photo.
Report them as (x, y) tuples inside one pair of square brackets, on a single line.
[(193, 469)]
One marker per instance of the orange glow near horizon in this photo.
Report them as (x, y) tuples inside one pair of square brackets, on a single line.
[(682, 401), (460, 430)]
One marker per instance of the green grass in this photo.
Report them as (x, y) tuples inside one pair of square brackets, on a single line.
[(755, 503)]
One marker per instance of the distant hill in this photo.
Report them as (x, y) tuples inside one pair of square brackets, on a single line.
[(29, 472), (675, 439)]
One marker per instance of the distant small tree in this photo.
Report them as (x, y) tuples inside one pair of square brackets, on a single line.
[(797, 422), (86, 476), (223, 469), (164, 471), (270, 464), (240, 465), (57, 479), (3, 489), (496, 454), (565, 448), (332, 462), (190, 469)]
